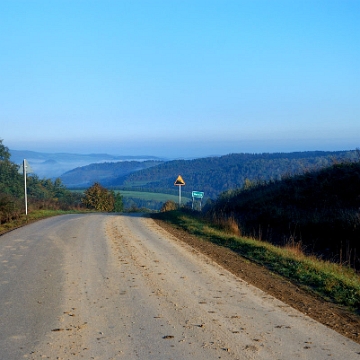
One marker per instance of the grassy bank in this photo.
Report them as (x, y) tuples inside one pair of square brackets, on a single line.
[(32, 216), (333, 282)]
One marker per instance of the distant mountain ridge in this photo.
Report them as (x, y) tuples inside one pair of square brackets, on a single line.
[(212, 175), (215, 175), (51, 165), (104, 173)]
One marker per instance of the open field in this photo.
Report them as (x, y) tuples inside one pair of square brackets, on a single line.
[(152, 196), (148, 196)]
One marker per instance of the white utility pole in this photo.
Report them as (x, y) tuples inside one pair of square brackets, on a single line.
[(24, 171), (25, 168)]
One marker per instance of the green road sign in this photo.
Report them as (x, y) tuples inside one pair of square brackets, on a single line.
[(197, 194)]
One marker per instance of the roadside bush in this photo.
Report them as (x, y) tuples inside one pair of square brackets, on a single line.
[(168, 206), (10, 208), (98, 198)]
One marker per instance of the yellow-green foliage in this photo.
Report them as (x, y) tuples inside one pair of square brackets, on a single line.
[(99, 198), (168, 206)]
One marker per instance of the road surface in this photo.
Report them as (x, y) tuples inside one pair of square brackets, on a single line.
[(102, 286)]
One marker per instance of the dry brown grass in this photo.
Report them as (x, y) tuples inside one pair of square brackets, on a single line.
[(295, 248), (229, 225)]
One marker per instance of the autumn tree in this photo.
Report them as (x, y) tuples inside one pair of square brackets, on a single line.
[(98, 198)]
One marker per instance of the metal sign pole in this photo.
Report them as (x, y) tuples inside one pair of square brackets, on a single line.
[(179, 182), (25, 191), (197, 195)]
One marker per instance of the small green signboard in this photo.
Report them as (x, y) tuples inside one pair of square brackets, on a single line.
[(197, 194)]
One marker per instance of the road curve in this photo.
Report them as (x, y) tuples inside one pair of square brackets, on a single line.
[(102, 286)]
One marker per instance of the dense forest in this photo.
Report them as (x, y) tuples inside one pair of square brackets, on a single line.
[(318, 210), (42, 193), (214, 175), (105, 173)]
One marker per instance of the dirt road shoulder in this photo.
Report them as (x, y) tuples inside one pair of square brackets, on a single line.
[(333, 316)]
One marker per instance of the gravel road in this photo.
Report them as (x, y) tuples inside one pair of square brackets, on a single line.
[(104, 286)]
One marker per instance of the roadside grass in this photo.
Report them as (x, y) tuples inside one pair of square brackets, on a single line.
[(33, 216), (333, 282)]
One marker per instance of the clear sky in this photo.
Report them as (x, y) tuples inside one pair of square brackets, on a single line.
[(179, 78)]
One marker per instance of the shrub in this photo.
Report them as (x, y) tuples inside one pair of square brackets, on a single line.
[(168, 206), (98, 198)]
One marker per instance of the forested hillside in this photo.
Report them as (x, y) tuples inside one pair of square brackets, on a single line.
[(104, 173), (319, 211), (214, 175)]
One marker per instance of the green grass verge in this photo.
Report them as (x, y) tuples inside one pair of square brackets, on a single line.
[(332, 282), (33, 216)]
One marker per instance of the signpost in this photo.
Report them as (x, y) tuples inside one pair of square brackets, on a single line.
[(25, 168), (197, 195), (179, 182)]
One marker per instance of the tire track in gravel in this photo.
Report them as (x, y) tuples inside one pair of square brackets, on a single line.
[(207, 305), (173, 319), (130, 290)]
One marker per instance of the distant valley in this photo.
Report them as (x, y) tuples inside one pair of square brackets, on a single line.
[(106, 173), (52, 165), (212, 175)]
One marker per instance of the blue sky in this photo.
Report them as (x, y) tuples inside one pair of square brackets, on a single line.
[(179, 78)]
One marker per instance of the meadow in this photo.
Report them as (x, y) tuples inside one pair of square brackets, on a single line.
[(161, 197)]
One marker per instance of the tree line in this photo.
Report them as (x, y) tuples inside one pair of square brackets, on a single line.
[(214, 175), (46, 193), (318, 211)]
